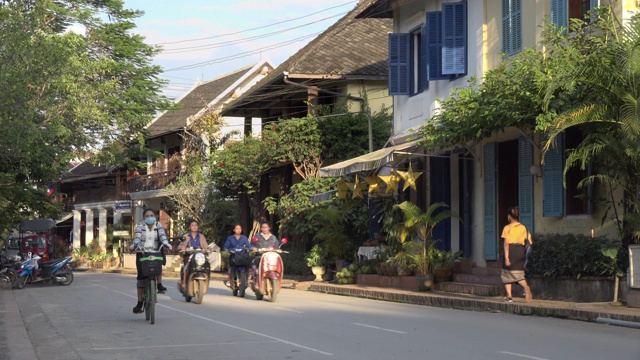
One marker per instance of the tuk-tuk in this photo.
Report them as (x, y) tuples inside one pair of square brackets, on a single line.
[(35, 237)]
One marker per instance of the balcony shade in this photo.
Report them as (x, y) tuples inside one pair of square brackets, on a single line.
[(367, 162)]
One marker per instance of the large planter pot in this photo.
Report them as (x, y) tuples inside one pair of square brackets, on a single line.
[(318, 271), (443, 274), (425, 282)]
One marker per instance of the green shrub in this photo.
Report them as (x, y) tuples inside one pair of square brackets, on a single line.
[(574, 255), (295, 263)]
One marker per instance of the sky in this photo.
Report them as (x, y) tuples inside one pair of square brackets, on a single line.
[(203, 40)]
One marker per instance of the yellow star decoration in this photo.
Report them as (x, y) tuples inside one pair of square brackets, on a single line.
[(357, 189), (392, 182), (342, 189), (409, 178), (373, 182)]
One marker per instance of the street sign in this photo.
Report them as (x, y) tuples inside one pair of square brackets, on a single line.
[(123, 205)]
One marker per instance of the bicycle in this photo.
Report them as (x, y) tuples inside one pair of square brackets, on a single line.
[(150, 268)]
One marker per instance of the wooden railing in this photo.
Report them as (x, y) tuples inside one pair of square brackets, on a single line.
[(156, 181)]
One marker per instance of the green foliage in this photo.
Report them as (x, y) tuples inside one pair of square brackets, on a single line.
[(339, 225), (295, 263), (574, 255), (418, 226), (64, 94), (347, 136), (237, 168), (299, 142), (316, 256), (295, 209)]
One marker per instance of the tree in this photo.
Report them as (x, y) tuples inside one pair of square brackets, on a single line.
[(345, 136), (299, 142), (608, 110), (64, 94), (193, 194)]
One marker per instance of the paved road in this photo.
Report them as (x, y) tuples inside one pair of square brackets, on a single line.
[(92, 319)]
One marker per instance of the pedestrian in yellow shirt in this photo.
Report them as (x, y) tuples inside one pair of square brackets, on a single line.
[(514, 237)]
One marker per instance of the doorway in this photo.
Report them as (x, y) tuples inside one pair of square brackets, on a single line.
[(507, 182)]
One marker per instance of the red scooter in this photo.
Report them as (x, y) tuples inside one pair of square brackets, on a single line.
[(266, 277)]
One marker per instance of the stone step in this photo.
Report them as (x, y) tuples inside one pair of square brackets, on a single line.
[(477, 279), (464, 288), (486, 271)]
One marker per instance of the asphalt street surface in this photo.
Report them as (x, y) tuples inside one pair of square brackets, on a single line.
[(92, 319)]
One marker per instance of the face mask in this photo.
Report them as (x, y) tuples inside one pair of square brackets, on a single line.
[(150, 221)]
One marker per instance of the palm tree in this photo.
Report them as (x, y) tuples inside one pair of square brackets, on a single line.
[(607, 110), (419, 226)]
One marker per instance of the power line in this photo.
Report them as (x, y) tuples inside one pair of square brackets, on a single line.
[(256, 28), (242, 54), (235, 42)]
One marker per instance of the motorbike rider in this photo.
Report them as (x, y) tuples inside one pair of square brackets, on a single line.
[(150, 236), (235, 241), (265, 240), (194, 239)]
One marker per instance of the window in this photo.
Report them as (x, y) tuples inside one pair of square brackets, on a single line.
[(563, 10), (417, 67), (436, 51), (564, 197), (511, 26), (577, 200)]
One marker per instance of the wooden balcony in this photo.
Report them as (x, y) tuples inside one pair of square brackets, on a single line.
[(155, 181)]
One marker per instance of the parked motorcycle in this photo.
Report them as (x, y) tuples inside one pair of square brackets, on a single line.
[(8, 267), (241, 261), (197, 280), (265, 278), (57, 271)]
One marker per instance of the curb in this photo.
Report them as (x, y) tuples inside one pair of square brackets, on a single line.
[(478, 304)]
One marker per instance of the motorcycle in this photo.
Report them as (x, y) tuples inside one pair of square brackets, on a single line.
[(197, 279), (241, 261), (8, 267), (265, 278), (57, 271)]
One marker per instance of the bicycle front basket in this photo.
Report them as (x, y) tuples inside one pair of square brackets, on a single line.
[(151, 264)]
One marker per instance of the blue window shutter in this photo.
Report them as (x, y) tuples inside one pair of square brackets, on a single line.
[(434, 45), (454, 38), (525, 182), (552, 172), (559, 13), (399, 64), (424, 58), (506, 27), (511, 26), (516, 16), (490, 202)]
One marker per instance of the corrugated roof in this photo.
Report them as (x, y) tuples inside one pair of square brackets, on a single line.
[(196, 100)]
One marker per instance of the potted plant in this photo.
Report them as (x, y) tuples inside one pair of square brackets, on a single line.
[(403, 262), (419, 225), (443, 265), (332, 232), (316, 258)]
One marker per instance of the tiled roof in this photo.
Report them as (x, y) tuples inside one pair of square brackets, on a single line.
[(351, 48), (196, 100)]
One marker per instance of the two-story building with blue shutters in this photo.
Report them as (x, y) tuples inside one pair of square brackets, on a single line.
[(435, 47)]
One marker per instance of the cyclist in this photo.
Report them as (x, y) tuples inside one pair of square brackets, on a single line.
[(149, 236)]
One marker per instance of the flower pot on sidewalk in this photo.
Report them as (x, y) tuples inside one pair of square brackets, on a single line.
[(318, 271)]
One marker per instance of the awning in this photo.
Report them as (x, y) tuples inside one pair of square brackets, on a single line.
[(367, 162)]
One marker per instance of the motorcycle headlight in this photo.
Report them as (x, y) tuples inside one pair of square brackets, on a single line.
[(200, 259)]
